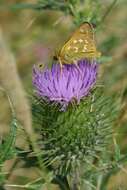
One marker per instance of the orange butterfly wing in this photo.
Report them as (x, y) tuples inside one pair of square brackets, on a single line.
[(80, 45)]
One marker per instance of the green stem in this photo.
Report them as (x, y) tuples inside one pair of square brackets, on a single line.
[(75, 180), (12, 168), (39, 6), (108, 11)]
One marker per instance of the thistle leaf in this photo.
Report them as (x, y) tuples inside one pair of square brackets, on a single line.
[(7, 149)]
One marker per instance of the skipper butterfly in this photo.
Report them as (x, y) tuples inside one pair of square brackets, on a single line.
[(81, 45)]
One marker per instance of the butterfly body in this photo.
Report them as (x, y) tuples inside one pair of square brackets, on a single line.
[(80, 45)]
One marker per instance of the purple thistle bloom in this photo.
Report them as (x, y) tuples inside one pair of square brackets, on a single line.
[(73, 83)]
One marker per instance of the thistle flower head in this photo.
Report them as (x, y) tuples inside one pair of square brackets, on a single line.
[(79, 135), (72, 83)]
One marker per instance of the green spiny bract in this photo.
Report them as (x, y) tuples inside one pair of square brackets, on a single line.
[(77, 136)]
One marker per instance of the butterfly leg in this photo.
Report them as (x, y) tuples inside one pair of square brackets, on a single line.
[(78, 68), (93, 60), (61, 66)]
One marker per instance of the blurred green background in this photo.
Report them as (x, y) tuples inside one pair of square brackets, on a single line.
[(33, 36)]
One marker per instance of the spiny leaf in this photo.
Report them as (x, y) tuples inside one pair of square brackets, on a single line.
[(117, 155), (7, 148)]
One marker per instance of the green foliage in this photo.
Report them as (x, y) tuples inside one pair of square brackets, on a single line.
[(109, 43), (7, 148), (80, 10)]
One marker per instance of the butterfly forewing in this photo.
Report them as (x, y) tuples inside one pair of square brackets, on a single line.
[(80, 45)]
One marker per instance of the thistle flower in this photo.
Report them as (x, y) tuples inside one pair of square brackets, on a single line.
[(73, 83), (77, 137)]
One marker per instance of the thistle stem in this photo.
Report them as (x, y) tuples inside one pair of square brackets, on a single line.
[(75, 181)]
